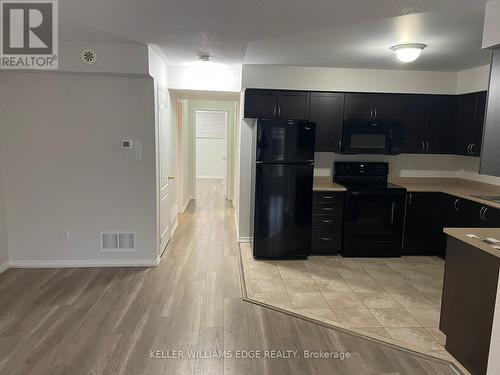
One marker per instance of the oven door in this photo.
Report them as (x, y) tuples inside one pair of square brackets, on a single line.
[(365, 138), (374, 222)]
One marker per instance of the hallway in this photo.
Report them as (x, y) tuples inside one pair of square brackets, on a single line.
[(109, 320)]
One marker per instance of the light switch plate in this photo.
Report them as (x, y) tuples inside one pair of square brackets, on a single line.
[(127, 144)]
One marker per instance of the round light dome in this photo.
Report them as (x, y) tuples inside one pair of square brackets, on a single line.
[(408, 52)]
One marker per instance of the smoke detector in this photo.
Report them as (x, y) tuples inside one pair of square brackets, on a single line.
[(204, 57), (88, 56)]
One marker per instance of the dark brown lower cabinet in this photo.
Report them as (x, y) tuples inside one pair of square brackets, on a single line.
[(327, 222), (422, 228), (427, 214), (468, 304)]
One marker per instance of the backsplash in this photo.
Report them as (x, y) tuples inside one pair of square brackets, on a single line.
[(405, 165), (409, 165)]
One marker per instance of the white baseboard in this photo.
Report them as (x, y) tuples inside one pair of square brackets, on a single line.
[(4, 267), (245, 239), (174, 227), (210, 177), (83, 263), (186, 204)]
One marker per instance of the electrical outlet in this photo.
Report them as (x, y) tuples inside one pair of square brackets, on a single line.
[(65, 235)]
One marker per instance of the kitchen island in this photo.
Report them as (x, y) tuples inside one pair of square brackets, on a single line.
[(470, 310)]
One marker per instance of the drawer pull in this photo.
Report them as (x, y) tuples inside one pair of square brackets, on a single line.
[(326, 221), (327, 197), (327, 208), (326, 238)]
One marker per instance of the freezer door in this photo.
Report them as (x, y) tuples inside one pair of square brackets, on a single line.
[(283, 205), (285, 141)]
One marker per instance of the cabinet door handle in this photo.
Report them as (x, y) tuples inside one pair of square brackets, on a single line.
[(427, 149), (326, 238), (468, 149), (327, 208), (326, 221), (275, 111), (376, 115), (392, 213), (340, 144), (327, 196), (279, 111), (472, 149), (483, 214), (455, 205), (410, 199), (423, 146)]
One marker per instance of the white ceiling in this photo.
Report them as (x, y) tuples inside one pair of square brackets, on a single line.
[(336, 33)]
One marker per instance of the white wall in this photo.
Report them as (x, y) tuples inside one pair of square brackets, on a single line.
[(64, 168), (205, 78), (491, 31), (209, 154), (335, 79), (116, 58), (473, 80), (4, 254)]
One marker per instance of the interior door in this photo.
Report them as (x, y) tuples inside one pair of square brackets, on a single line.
[(167, 193)]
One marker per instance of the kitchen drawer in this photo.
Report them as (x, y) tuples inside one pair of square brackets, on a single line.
[(325, 241), (328, 197), (327, 208), (327, 221)]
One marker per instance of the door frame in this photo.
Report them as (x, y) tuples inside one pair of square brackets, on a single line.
[(229, 178), (173, 170)]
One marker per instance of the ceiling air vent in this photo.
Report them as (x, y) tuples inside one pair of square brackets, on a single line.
[(88, 56), (114, 242)]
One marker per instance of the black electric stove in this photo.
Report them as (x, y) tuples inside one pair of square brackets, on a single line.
[(374, 210)]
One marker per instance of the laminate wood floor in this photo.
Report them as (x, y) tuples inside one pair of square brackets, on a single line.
[(109, 320)]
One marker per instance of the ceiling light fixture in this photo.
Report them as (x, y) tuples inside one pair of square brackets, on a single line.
[(408, 52)]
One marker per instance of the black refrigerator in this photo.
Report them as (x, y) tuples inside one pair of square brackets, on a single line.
[(283, 189)]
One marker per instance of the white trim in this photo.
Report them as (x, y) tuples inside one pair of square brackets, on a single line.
[(4, 267), (245, 239), (174, 227), (186, 204), (83, 263), (211, 177)]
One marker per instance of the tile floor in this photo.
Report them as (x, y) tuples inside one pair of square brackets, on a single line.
[(391, 298)]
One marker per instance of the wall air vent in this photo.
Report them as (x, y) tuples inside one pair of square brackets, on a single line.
[(116, 242)]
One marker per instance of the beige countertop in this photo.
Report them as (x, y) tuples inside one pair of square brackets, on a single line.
[(460, 188), (482, 233), (326, 184)]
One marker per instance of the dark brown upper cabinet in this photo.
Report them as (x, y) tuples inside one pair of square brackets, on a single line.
[(441, 130), (432, 124), (470, 122), (479, 119), (414, 120), (275, 104), (371, 107), (260, 104), (327, 111)]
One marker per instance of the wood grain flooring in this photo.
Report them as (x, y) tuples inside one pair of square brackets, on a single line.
[(109, 320)]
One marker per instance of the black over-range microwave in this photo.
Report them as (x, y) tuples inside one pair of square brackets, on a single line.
[(367, 137)]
